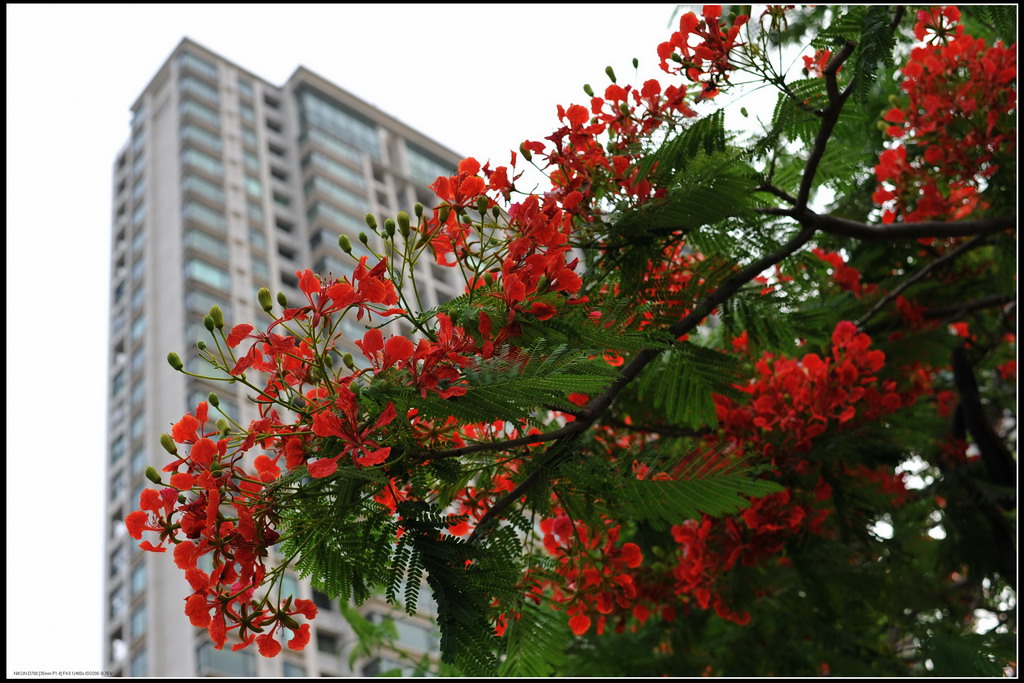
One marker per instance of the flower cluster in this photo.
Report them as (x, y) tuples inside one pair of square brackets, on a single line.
[(954, 126), (707, 60)]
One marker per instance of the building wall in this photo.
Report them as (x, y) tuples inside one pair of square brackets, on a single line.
[(229, 183)]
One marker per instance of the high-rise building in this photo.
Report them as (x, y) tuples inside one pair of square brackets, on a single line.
[(227, 184)]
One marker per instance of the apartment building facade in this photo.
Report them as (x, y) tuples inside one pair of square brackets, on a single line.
[(227, 184)]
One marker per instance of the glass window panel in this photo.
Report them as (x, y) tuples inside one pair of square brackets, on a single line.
[(424, 167), (245, 89), (197, 87), (201, 112), (139, 665), (138, 623), (247, 112), (203, 188), (118, 384), (289, 586), (201, 302), (138, 463), (138, 581), (138, 269), (138, 214), (198, 64), (253, 186), (338, 193), (325, 164), (138, 240), (117, 450), (138, 358), (117, 486), (257, 238), (240, 663), (334, 146), (205, 215), (193, 133), (320, 112), (293, 670), (208, 274), (138, 327), (138, 391), (138, 426), (260, 271), (119, 291), (118, 560), (118, 602), (249, 137), (252, 161), (204, 162), (338, 217), (207, 244)]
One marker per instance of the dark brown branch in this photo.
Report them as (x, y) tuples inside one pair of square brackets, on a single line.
[(864, 231), (969, 306), (951, 256), (781, 194)]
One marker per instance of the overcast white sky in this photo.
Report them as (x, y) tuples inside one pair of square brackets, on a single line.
[(478, 78)]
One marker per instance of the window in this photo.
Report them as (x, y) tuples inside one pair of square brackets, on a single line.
[(138, 462), (138, 140), (204, 162), (118, 384), (138, 622), (322, 601), (138, 391), (244, 89), (327, 642), (334, 146), (271, 101), (138, 426), (289, 586), (325, 164), (196, 87), (138, 358), (118, 561), (340, 218), (294, 670), (138, 164), (286, 253), (274, 125), (208, 274), (206, 244), (252, 162), (257, 238), (200, 66), (319, 111), (138, 326), (117, 485), (192, 133), (203, 188), (283, 225), (424, 167), (337, 193), (139, 214), (205, 215), (260, 271), (279, 174), (381, 665), (249, 137), (118, 602), (138, 189), (138, 269), (139, 665), (281, 200), (117, 450), (200, 112), (138, 240), (253, 186), (138, 580), (201, 302), (247, 113), (276, 150), (224, 661)]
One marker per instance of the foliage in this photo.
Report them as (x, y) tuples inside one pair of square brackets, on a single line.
[(677, 414)]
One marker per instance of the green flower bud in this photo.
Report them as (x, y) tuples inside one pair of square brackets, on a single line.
[(424, 238), (587, 89), (525, 152), (364, 238), (894, 101), (264, 299), (168, 443), (442, 214), (611, 73), (349, 362), (282, 300), (404, 223), (213, 399), (208, 323), (182, 499), (418, 210), (636, 63), (153, 475), (882, 126), (542, 284), (329, 360), (371, 221), (217, 315), (481, 205), (389, 227), (175, 361), (201, 345), (223, 425), (489, 278), (345, 243), (495, 211), (743, 110), (624, 108)]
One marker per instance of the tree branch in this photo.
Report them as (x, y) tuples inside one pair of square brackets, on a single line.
[(951, 256), (847, 228)]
